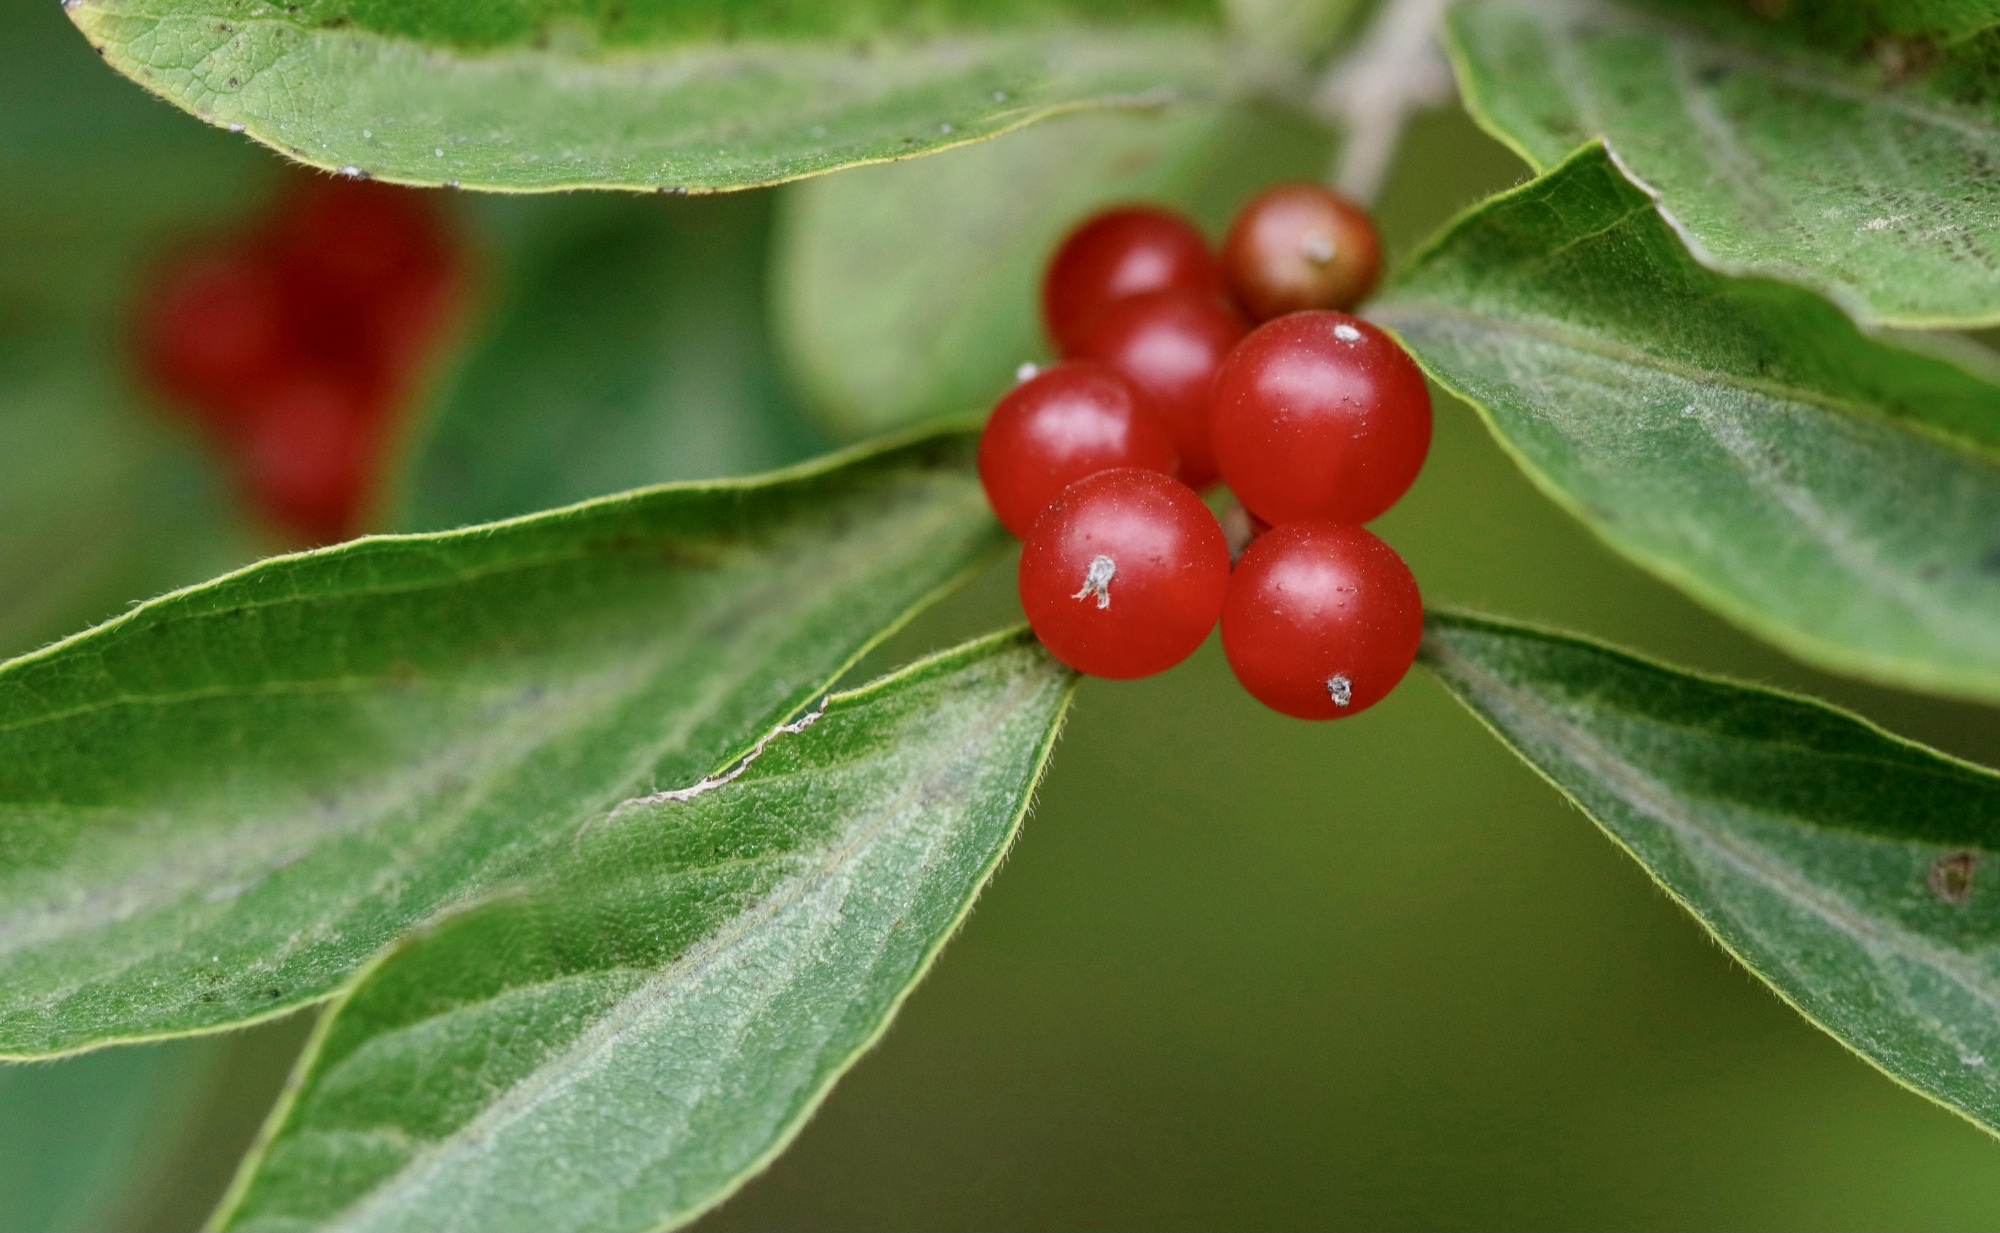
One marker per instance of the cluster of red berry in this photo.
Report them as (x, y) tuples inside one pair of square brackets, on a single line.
[(295, 343), (1318, 422)]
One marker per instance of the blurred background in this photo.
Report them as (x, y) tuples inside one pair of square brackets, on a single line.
[(1241, 971)]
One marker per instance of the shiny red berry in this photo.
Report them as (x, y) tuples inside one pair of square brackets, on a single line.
[(1319, 415), (1072, 420), (1120, 253), (308, 458), (1170, 345), (1322, 620), (212, 333), (1124, 575), (1298, 247)]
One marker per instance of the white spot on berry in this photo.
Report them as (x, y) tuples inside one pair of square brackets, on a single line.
[(1346, 333), (1317, 247), (1097, 581), (1340, 689), (1028, 371)]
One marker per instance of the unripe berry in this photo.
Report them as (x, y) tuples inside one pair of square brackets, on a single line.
[(1298, 247)]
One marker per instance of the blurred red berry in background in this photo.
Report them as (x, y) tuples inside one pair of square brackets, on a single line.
[(299, 340)]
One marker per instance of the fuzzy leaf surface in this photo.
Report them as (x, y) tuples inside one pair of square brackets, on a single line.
[(220, 805), (644, 94), (618, 1044), (1740, 438), (1850, 869), (1868, 178)]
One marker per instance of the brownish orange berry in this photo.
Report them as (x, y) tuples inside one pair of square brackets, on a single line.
[(1298, 247)]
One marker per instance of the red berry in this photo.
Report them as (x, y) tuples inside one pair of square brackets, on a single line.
[(308, 458), (1072, 420), (356, 239), (1124, 575), (1319, 415), (1123, 252), (1298, 247), (1170, 345), (1322, 620), (213, 332)]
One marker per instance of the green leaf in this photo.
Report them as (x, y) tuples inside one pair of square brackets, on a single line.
[(911, 290), (630, 348), (1741, 439), (219, 805), (1768, 156), (619, 1045), (644, 94), (1846, 867)]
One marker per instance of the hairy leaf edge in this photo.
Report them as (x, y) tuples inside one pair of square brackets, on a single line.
[(274, 1122), (128, 67), (1431, 658), (805, 470), (1472, 94), (1835, 656)]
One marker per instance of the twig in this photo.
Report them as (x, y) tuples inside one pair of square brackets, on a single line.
[(1395, 69)]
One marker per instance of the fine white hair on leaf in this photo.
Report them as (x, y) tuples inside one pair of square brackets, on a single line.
[(742, 764)]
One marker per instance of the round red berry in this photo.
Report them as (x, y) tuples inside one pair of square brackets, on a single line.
[(1170, 345), (1069, 421), (1298, 247), (308, 458), (212, 332), (1120, 253), (1322, 620), (1319, 415), (1124, 575)]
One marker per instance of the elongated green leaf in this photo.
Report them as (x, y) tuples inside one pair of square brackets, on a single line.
[(619, 1045), (1866, 180), (630, 349), (1845, 866), (911, 290), (650, 94), (221, 804), (1740, 438)]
